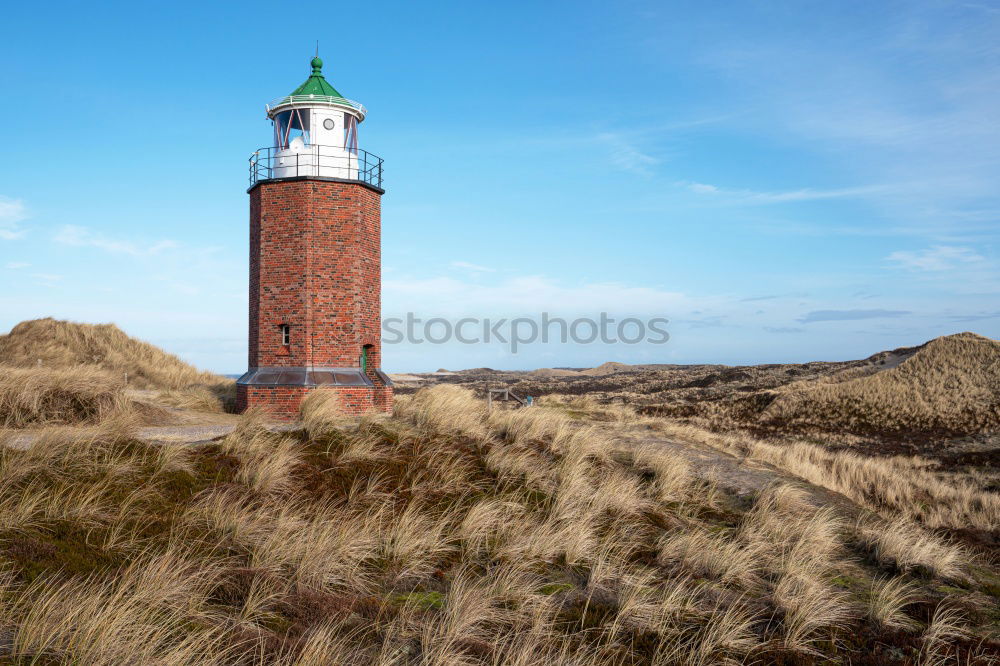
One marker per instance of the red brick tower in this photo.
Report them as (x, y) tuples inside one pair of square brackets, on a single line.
[(315, 258)]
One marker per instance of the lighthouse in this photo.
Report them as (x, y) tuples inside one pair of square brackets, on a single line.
[(315, 258)]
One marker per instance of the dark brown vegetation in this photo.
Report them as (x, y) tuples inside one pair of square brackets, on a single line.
[(949, 387), (910, 400), (450, 535)]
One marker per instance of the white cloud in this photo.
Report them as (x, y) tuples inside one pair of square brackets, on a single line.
[(937, 258), (626, 156), (911, 103), (47, 278), (744, 196), (475, 268), (12, 211), (809, 194), (78, 236), (16, 265)]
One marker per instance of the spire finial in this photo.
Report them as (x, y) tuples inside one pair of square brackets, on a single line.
[(316, 63)]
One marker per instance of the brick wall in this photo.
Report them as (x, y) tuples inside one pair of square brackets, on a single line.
[(283, 402), (315, 265)]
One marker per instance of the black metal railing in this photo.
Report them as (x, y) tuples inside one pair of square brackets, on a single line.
[(317, 161)]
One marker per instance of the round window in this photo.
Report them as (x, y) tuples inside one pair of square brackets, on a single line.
[(329, 124)]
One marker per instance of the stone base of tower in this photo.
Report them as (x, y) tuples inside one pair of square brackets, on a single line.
[(283, 402)]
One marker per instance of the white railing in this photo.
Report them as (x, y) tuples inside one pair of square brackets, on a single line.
[(329, 100), (315, 161)]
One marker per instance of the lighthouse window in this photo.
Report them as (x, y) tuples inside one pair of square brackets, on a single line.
[(286, 334), (350, 133), (290, 124)]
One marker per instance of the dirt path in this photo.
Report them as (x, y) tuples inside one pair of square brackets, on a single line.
[(200, 434), (169, 434), (186, 434), (740, 476)]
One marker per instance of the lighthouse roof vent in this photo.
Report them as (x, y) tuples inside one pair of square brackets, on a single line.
[(316, 91)]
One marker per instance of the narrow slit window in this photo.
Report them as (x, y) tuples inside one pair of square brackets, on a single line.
[(286, 334)]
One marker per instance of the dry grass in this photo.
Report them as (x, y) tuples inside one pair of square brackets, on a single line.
[(951, 385), (220, 397), (141, 617), (899, 485), (911, 399), (91, 359), (947, 625), (447, 409), (908, 546), (266, 460), (813, 612), (322, 413), (70, 395), (62, 344), (434, 537), (888, 600), (946, 388)]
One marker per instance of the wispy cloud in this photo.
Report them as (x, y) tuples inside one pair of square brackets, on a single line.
[(745, 196), (913, 102), (937, 258), (849, 315), (771, 297), (712, 321), (975, 317), (12, 211), (625, 155), (78, 236), (809, 194), (17, 265)]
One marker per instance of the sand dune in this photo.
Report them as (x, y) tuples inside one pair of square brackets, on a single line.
[(609, 368), (62, 344), (950, 385)]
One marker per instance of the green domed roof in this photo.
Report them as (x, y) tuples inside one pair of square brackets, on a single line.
[(316, 91), (316, 84)]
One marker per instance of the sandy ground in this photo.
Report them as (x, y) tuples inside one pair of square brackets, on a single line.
[(172, 434), (739, 476)]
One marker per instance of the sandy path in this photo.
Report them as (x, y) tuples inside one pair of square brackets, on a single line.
[(738, 475), (172, 434), (188, 434)]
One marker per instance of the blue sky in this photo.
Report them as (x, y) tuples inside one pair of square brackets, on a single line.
[(783, 181)]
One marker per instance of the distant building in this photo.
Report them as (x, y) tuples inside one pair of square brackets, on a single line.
[(315, 258)]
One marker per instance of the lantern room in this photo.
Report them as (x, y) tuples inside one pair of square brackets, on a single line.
[(315, 134)]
